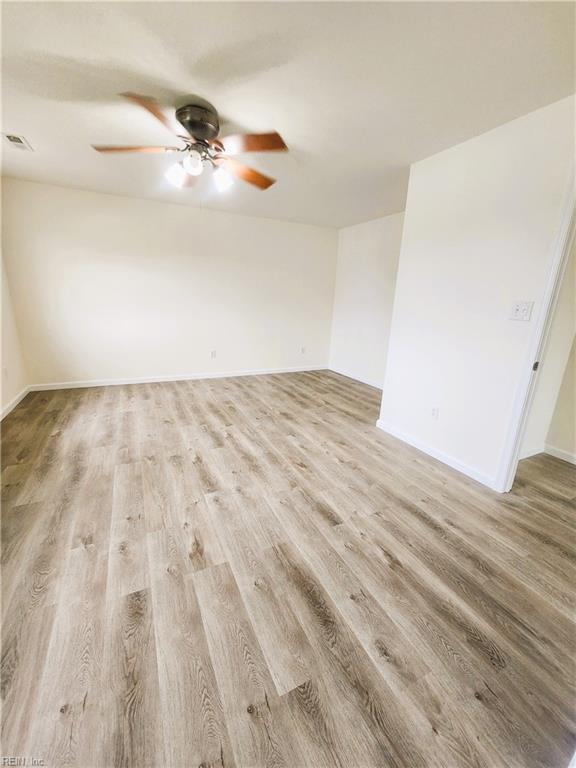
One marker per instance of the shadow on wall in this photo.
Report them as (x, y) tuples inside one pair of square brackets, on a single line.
[(561, 438)]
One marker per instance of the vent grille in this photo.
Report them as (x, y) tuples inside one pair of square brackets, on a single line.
[(17, 142)]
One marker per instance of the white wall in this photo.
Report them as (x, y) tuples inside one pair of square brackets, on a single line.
[(561, 438), (365, 283), (109, 288), (480, 229), (553, 364), (14, 370)]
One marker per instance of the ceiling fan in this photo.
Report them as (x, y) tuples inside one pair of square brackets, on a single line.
[(202, 147)]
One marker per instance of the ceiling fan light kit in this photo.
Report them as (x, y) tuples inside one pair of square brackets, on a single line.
[(201, 146), (222, 179), (193, 163), (176, 175)]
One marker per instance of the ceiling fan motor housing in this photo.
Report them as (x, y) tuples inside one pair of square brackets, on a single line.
[(201, 122)]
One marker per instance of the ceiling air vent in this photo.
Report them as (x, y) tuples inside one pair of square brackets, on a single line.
[(17, 142)]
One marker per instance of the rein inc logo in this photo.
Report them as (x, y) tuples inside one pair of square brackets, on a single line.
[(20, 761)]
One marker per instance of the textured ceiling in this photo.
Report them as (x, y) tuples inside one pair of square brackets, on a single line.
[(358, 91)]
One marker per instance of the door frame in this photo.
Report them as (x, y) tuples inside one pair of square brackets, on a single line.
[(526, 388)]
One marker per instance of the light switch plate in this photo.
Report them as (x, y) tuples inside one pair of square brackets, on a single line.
[(522, 310)]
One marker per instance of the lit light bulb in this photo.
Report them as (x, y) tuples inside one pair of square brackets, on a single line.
[(193, 163), (222, 180), (176, 175)]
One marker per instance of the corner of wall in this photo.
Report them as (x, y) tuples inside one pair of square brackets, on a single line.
[(334, 296), (15, 378)]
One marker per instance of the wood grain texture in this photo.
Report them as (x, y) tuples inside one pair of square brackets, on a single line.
[(130, 729), (259, 724), (188, 689), (246, 572)]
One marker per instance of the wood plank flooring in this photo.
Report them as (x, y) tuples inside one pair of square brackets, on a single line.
[(246, 572)]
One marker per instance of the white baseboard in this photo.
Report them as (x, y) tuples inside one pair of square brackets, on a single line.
[(148, 380), (350, 375), (13, 403), (559, 453), (526, 453), (159, 379), (465, 469)]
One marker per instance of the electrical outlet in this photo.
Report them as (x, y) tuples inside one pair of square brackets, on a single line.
[(436, 413), (213, 354), (521, 310), (302, 350)]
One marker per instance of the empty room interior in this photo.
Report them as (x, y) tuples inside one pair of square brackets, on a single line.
[(288, 385)]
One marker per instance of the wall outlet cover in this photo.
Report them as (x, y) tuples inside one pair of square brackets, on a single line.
[(522, 310)]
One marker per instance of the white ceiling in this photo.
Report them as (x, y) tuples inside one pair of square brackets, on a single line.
[(358, 91)]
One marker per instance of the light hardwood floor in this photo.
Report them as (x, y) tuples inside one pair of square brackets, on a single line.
[(246, 572)]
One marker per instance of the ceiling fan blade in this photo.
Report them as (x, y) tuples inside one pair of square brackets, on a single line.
[(245, 173), (150, 150), (253, 142), (150, 105)]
